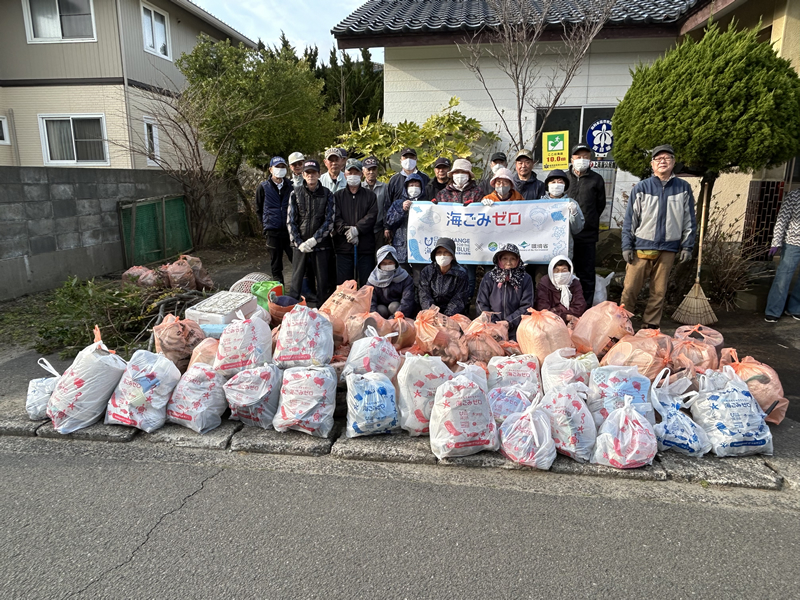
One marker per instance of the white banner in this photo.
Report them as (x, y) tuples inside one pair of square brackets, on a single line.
[(539, 228)]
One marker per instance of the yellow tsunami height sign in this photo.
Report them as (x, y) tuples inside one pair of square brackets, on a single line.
[(555, 150)]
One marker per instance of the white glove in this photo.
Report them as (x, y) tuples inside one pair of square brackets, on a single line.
[(304, 247), (310, 243), (351, 233), (487, 201), (573, 207)]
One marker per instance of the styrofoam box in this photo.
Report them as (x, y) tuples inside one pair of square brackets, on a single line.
[(222, 308)]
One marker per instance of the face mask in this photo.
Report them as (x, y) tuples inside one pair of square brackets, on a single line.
[(443, 261), (561, 278), (409, 163), (279, 173), (353, 180), (581, 164), (388, 268), (502, 190), (460, 179), (414, 191), (556, 189)]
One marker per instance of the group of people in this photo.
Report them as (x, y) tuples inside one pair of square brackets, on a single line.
[(348, 223)]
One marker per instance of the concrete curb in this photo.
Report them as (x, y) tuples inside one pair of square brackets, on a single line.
[(399, 447), (18, 425), (269, 441), (94, 433), (183, 437)]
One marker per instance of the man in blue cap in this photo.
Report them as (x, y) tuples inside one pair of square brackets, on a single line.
[(272, 206)]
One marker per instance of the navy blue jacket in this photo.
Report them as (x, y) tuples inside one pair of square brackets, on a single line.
[(272, 205), (402, 292), (397, 184), (509, 302)]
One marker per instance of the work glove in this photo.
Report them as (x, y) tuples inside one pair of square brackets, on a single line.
[(686, 256), (773, 251), (629, 256), (351, 233), (573, 208), (487, 201), (304, 248), (311, 242)]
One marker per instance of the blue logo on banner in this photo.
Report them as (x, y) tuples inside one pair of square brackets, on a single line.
[(600, 137)]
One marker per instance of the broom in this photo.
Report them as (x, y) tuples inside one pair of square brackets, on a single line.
[(695, 308)]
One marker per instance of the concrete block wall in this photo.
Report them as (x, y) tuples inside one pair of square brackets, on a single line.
[(57, 222)]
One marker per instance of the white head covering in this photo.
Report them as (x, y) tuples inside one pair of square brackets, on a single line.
[(566, 295)]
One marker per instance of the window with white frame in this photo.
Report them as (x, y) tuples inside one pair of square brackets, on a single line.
[(73, 139), (50, 21), (5, 140), (151, 142), (155, 28)]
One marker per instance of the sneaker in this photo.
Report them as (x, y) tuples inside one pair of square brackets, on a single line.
[(795, 317), (769, 319)]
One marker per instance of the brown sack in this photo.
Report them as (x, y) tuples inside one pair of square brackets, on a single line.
[(176, 340)]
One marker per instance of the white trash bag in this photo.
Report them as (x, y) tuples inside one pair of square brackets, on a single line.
[(83, 391), (308, 399), (198, 401), (254, 394), (676, 431), (563, 367), (474, 373), (727, 411), (373, 354), (520, 370), (571, 423), (461, 420), (244, 344), (505, 401), (39, 392), (417, 381), (371, 406), (601, 288), (305, 339), (608, 387), (141, 396), (626, 439), (525, 438)]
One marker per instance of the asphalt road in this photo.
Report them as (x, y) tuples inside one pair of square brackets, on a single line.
[(90, 520)]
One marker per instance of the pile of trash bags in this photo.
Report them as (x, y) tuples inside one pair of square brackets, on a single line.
[(186, 273), (594, 392)]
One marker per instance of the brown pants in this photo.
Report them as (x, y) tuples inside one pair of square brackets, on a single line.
[(637, 273)]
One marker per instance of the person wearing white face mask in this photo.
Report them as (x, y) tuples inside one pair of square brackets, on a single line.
[(502, 188), (408, 164), (272, 206), (557, 184), (397, 221), (588, 189), (354, 227), (560, 291), (444, 283), (392, 287)]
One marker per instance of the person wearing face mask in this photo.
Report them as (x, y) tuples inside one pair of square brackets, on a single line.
[(560, 291), (499, 160), (506, 290), (502, 188), (373, 184), (272, 207), (408, 164), (588, 189), (296, 160), (443, 283), (334, 179), (440, 169), (462, 187), (557, 184), (354, 227), (525, 179), (397, 220), (392, 287)]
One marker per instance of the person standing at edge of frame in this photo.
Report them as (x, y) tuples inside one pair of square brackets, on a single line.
[(354, 227), (786, 238), (272, 207)]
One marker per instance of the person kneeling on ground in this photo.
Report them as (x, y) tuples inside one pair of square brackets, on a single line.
[(443, 283), (560, 291), (507, 289), (392, 287)]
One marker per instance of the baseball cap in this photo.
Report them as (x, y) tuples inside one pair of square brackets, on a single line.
[(370, 162), (578, 147), (498, 156), (311, 165), (663, 148), (334, 152), (523, 154), (408, 151), (277, 160), (295, 157), (353, 163), (442, 162)]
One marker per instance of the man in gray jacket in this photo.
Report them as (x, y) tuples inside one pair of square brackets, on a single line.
[(659, 223)]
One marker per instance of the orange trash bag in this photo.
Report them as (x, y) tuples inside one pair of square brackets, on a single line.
[(649, 351), (438, 335), (481, 344), (143, 277), (710, 336), (205, 352), (354, 325), (542, 333), (762, 381), (498, 330), (176, 339), (511, 348), (180, 275), (201, 278), (463, 322), (704, 356), (405, 329), (601, 327), (345, 301)]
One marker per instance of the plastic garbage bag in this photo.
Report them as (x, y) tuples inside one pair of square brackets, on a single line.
[(39, 392), (703, 355), (143, 277), (712, 337), (245, 344), (521, 370), (542, 333), (649, 350), (180, 275), (198, 401), (347, 300), (601, 288), (356, 325), (371, 406), (565, 366), (608, 387), (505, 401), (83, 391), (439, 335), (205, 352), (305, 339), (474, 373), (601, 327), (308, 399), (141, 396), (417, 381), (461, 420), (176, 339), (731, 417), (762, 381), (676, 431), (201, 278), (571, 424), (497, 329), (372, 354), (254, 394), (481, 344), (526, 439), (625, 440), (405, 330), (463, 322)]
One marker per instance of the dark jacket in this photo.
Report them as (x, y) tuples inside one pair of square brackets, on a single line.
[(548, 297), (397, 221), (589, 191), (509, 302), (472, 192), (381, 191), (272, 204), (531, 189), (402, 292), (359, 210), (397, 184), (449, 291), (311, 214), (434, 187)]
